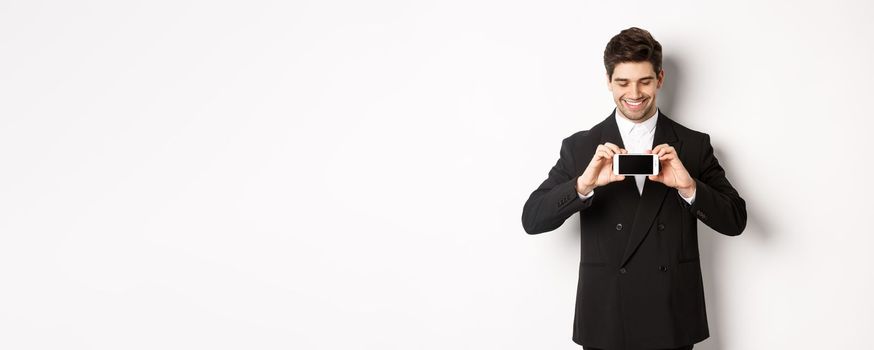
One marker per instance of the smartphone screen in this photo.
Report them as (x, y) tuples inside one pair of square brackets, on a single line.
[(635, 164)]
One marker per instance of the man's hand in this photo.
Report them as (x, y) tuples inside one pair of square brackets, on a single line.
[(599, 172), (672, 173)]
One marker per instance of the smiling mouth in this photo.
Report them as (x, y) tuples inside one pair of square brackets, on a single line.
[(633, 104)]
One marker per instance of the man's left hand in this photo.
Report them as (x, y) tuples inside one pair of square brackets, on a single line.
[(672, 173)]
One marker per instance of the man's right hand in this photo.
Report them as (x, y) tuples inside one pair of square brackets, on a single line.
[(600, 169)]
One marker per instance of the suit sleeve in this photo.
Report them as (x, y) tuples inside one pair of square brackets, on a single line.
[(556, 199), (717, 204)]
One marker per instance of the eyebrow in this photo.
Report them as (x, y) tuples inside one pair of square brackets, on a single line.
[(627, 80)]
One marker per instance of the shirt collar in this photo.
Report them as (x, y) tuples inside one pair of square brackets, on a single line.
[(626, 124)]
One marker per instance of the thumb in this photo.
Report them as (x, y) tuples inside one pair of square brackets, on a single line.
[(652, 177)]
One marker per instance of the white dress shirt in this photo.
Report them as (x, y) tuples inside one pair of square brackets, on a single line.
[(637, 138)]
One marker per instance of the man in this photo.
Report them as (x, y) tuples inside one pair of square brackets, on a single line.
[(640, 284)]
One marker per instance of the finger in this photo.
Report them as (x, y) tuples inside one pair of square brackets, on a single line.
[(606, 149), (613, 147), (601, 154), (667, 150), (668, 156), (598, 153), (658, 147)]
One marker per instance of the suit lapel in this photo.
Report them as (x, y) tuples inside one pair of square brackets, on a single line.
[(610, 133), (653, 192)]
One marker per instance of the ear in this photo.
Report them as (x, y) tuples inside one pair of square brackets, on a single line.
[(661, 78), (609, 86)]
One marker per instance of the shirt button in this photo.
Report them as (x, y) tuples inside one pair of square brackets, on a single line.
[(623, 271), (618, 227)]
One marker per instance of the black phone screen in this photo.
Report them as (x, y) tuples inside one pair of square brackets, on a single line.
[(635, 164)]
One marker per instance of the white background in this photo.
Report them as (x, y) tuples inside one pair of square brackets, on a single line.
[(351, 175)]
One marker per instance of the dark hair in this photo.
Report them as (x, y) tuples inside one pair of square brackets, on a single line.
[(632, 45)]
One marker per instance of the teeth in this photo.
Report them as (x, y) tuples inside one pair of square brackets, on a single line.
[(634, 103)]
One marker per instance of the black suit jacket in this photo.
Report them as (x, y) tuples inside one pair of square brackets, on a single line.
[(640, 283)]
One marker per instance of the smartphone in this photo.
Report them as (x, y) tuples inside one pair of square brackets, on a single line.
[(635, 164)]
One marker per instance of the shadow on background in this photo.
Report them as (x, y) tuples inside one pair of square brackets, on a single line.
[(708, 244)]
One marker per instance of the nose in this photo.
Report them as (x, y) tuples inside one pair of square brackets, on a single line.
[(634, 93)]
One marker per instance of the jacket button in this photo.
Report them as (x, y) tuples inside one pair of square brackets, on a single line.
[(663, 268), (623, 271), (618, 227), (661, 227), (701, 215)]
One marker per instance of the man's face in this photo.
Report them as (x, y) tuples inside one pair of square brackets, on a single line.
[(634, 86)]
